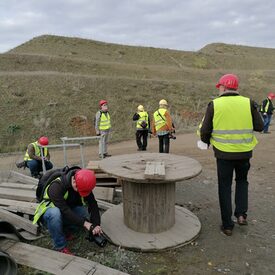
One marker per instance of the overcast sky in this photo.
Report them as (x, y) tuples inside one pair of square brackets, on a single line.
[(174, 24)]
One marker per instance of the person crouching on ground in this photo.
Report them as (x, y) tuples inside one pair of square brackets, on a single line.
[(33, 156), (228, 125), (103, 128), (63, 207), (142, 127)]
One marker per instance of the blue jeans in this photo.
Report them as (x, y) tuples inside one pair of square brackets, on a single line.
[(35, 166), (56, 225), (267, 120)]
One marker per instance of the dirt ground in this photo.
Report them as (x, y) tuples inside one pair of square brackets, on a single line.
[(250, 250)]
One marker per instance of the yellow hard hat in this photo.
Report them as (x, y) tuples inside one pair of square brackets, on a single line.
[(140, 108), (163, 102)]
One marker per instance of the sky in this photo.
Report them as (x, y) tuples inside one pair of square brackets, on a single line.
[(175, 24)]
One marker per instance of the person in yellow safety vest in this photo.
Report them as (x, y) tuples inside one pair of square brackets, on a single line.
[(162, 126), (33, 158), (267, 111), (228, 125), (142, 127), (69, 204), (103, 128)]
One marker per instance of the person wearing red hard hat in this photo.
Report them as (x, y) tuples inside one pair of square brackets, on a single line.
[(228, 126), (33, 158), (68, 204), (266, 110), (103, 128)]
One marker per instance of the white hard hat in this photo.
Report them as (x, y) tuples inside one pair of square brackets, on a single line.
[(163, 102), (140, 108)]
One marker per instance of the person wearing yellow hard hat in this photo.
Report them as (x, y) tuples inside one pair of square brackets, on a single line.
[(141, 117), (162, 126)]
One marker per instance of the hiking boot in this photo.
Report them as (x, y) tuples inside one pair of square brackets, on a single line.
[(107, 155), (65, 250), (226, 231)]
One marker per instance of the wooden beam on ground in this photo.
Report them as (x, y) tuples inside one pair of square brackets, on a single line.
[(23, 178), (20, 195), (104, 193), (104, 205), (18, 185), (18, 221), (155, 170), (19, 206), (95, 166), (53, 262)]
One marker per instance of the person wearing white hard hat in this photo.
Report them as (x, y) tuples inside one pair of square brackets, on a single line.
[(162, 126), (142, 127)]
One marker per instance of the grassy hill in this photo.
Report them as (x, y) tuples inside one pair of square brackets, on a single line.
[(51, 85)]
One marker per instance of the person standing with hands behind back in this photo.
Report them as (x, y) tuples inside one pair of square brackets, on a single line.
[(162, 126), (228, 125), (103, 128), (142, 127)]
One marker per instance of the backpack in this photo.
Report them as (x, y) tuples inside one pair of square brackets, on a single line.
[(50, 176)]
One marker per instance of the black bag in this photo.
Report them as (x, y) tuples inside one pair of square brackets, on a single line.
[(50, 176)]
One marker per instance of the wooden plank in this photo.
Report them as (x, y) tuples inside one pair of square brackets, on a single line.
[(23, 178), (18, 185), (154, 170), (104, 193), (53, 262), (18, 221), (95, 166), (19, 206), (104, 205), (21, 195)]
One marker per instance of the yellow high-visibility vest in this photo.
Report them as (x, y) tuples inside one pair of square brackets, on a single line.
[(265, 109), (37, 151), (104, 122), (143, 116), (232, 124), (159, 118)]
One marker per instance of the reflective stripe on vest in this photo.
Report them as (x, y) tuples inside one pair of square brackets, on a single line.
[(159, 118), (143, 116), (105, 122), (47, 203), (37, 151), (265, 109), (232, 124)]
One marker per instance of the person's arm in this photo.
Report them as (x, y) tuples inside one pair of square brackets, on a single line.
[(168, 121), (264, 105), (56, 194), (207, 124), (31, 152), (97, 121), (136, 117), (258, 124)]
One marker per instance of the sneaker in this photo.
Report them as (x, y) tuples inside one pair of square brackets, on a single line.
[(107, 155), (65, 250)]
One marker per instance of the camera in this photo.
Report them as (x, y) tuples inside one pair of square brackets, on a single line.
[(100, 240)]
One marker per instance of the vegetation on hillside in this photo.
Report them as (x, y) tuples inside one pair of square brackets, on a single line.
[(51, 85)]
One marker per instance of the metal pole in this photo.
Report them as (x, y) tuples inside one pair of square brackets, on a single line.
[(101, 141), (64, 151), (81, 155), (43, 161)]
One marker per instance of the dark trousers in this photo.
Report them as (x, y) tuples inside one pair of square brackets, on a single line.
[(35, 166), (141, 139), (225, 169), (164, 143)]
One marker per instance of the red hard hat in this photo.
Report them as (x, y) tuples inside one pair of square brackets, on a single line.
[(85, 181), (101, 102), (43, 141), (271, 95), (229, 81)]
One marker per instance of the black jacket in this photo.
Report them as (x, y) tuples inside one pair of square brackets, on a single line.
[(270, 106), (207, 127), (56, 194)]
